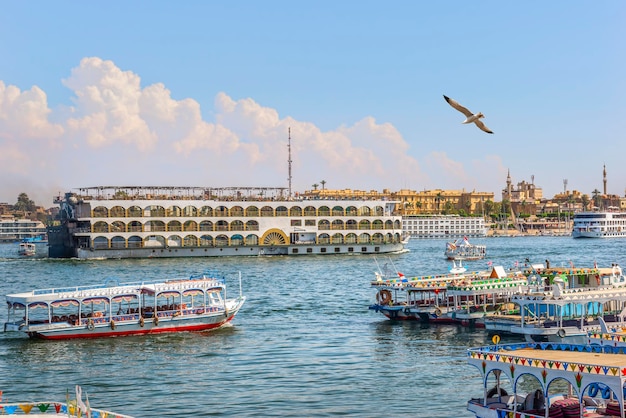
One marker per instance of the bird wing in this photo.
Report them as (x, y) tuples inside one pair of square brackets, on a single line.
[(482, 126), (457, 106)]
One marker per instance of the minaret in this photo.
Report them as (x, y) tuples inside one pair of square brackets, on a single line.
[(509, 190), (289, 162), (604, 178)]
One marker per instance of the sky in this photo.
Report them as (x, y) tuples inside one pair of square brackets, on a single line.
[(204, 93)]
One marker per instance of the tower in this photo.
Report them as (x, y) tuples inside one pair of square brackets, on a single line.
[(289, 162), (604, 179)]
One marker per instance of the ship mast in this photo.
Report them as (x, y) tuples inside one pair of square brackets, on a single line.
[(289, 163)]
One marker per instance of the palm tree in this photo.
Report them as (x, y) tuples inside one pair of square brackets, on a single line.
[(596, 197), (438, 201), (585, 201), (418, 206), (315, 186), (323, 182)]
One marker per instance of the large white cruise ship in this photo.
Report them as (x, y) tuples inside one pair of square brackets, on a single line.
[(141, 222), (606, 224), (443, 226)]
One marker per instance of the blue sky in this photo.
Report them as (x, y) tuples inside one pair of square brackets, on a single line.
[(201, 93)]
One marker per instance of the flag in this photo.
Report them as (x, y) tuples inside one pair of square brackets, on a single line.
[(400, 275)]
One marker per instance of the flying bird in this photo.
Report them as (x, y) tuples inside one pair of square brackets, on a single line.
[(470, 117)]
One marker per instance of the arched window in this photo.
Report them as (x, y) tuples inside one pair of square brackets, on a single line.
[(365, 211), (252, 211), (252, 226), (337, 239), (100, 212), (364, 224), (377, 224), (337, 224), (206, 241), (174, 211), (221, 241), (351, 211), (364, 238), (154, 211), (135, 242), (174, 226), (221, 211), (350, 238), (310, 211), (206, 226), (236, 226), (377, 238), (351, 224), (118, 242), (117, 212), (221, 226), (190, 226), (135, 226), (323, 211), (295, 211), (267, 211), (100, 227), (206, 211), (388, 224), (118, 226), (338, 211), (100, 243), (174, 241), (252, 239), (154, 226), (323, 225), (190, 241), (282, 211), (190, 211), (236, 239), (323, 239), (134, 212), (236, 211)]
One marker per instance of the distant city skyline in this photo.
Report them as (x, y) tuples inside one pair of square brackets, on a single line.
[(204, 93)]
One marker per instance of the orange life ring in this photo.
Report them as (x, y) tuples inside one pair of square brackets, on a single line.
[(383, 297), (141, 321)]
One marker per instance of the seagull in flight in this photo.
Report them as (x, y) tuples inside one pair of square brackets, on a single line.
[(470, 117)]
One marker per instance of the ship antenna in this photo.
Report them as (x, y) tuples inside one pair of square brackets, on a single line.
[(289, 162)]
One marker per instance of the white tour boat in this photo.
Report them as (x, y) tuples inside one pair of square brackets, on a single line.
[(478, 299), (197, 303), (433, 299), (26, 249), (607, 224), (143, 222), (529, 380), (567, 309), (461, 249)]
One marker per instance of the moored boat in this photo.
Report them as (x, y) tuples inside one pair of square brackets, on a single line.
[(548, 380), (461, 249), (477, 300), (606, 224), (145, 222), (197, 303), (73, 408), (566, 307), (428, 298)]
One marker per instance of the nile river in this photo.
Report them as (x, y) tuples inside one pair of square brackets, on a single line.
[(304, 344)]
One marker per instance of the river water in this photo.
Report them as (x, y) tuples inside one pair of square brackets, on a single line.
[(305, 343)]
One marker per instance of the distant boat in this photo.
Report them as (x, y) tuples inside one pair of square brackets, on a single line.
[(461, 249), (27, 249), (606, 224)]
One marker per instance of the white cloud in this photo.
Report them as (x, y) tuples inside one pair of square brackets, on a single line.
[(118, 132)]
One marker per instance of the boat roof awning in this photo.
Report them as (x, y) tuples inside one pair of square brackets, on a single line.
[(124, 298), (64, 302), (95, 300)]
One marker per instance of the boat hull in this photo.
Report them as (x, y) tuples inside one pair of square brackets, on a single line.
[(131, 325), (254, 250)]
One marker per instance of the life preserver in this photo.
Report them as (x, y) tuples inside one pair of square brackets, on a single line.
[(383, 297), (112, 324), (593, 390), (156, 321), (561, 333), (141, 321), (598, 279), (438, 312), (407, 311), (90, 325), (494, 391)]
